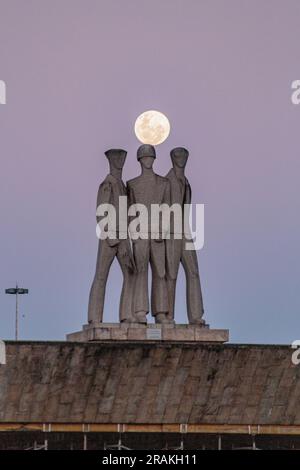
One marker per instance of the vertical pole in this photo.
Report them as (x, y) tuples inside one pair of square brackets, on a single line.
[(17, 316)]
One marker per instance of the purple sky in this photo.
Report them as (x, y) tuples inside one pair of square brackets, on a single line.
[(78, 73)]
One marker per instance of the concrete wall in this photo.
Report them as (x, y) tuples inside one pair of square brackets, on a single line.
[(149, 383)]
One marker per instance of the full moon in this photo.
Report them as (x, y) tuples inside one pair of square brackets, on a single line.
[(152, 127)]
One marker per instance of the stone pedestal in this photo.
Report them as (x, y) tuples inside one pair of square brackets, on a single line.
[(150, 332)]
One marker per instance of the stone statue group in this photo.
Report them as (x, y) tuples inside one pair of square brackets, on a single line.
[(134, 256)]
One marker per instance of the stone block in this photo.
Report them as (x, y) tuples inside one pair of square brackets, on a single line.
[(150, 332)]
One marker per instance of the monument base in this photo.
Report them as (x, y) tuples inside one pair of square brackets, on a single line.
[(149, 332)]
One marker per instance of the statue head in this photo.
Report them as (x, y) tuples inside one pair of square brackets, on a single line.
[(146, 155), (179, 156), (116, 158)]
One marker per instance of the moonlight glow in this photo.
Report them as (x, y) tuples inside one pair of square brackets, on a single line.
[(152, 127)]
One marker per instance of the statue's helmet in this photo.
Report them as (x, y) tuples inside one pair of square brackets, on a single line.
[(179, 152), (115, 152), (146, 150)]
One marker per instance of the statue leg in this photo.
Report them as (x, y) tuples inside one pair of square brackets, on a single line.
[(193, 287), (173, 252), (126, 300), (171, 294), (105, 258), (159, 292), (141, 253)]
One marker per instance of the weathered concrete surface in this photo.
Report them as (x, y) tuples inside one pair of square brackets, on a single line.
[(149, 383), (149, 332)]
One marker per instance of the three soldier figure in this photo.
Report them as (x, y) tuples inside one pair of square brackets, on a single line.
[(164, 254)]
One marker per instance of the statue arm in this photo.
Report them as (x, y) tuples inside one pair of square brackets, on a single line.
[(167, 195), (104, 197), (166, 200), (131, 201), (124, 250), (188, 194)]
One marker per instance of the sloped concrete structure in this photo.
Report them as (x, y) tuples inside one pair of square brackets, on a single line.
[(158, 387), (149, 383)]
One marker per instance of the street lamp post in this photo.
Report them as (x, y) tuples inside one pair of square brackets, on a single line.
[(16, 291)]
